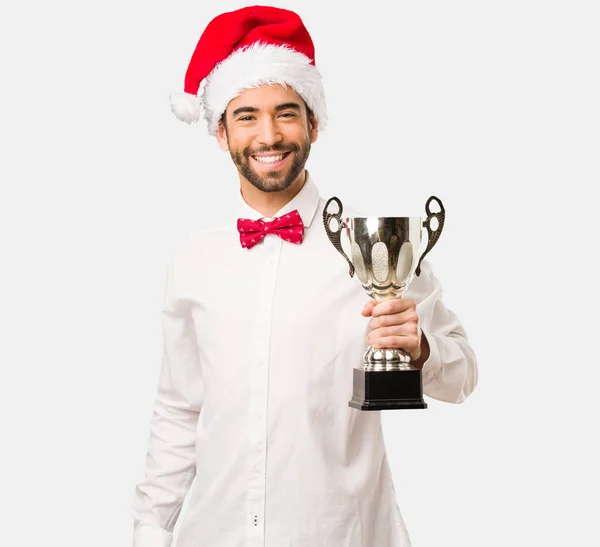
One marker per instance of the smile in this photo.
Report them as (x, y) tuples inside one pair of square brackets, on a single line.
[(270, 160)]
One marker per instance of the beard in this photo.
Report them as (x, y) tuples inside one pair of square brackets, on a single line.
[(272, 181)]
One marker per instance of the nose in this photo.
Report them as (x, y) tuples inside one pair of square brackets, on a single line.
[(268, 132)]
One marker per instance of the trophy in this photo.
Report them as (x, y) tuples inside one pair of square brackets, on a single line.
[(385, 254)]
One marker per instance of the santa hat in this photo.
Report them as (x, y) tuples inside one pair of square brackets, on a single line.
[(243, 49)]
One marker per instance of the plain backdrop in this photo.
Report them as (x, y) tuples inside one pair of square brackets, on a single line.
[(492, 106)]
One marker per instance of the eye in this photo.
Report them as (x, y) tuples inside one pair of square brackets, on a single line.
[(245, 118), (288, 114)]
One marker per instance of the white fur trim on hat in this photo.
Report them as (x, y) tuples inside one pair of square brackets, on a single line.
[(260, 64), (185, 106)]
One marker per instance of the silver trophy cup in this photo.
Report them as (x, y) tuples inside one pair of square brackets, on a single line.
[(385, 253)]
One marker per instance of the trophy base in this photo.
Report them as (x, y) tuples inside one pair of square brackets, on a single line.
[(387, 390)]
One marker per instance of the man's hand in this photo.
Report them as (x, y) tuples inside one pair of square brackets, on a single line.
[(395, 324)]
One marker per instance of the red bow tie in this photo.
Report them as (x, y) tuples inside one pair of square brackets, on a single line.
[(289, 227)]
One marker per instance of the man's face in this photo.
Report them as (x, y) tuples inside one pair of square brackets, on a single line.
[(268, 135)]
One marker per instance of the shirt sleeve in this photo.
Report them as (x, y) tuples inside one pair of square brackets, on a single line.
[(450, 372), (171, 457)]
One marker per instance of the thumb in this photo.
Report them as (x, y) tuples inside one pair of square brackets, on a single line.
[(366, 312)]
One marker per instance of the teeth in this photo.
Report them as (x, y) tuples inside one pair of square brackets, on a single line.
[(269, 159)]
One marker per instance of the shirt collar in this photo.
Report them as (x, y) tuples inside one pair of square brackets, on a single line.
[(305, 201)]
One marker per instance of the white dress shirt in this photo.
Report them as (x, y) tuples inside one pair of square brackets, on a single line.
[(252, 402)]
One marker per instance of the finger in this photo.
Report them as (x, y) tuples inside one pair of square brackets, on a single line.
[(409, 317), (368, 308), (392, 305), (398, 330)]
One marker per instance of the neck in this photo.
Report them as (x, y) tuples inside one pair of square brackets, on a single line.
[(268, 203)]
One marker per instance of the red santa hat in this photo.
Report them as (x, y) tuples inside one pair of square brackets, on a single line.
[(243, 49)]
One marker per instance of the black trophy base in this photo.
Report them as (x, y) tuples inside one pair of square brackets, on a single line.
[(387, 390)]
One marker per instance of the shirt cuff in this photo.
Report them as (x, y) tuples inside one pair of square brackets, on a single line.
[(433, 364), (145, 535)]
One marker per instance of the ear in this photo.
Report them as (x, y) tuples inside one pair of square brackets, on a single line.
[(313, 128), (222, 137)]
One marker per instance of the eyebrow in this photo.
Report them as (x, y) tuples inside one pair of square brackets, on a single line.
[(285, 106), (242, 109), (278, 108)]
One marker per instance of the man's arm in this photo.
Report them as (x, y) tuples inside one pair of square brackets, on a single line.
[(171, 458), (448, 362)]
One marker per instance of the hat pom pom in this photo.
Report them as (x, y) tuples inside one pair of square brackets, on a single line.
[(185, 106)]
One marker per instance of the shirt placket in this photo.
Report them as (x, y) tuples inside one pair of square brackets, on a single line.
[(257, 454)]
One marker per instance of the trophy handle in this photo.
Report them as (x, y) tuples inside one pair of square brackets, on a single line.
[(432, 235), (335, 236)]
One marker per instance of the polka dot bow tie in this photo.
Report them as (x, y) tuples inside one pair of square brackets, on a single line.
[(288, 227)]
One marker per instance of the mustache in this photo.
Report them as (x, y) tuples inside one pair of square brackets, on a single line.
[(275, 148)]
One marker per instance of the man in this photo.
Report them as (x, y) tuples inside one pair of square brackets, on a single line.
[(263, 325)]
